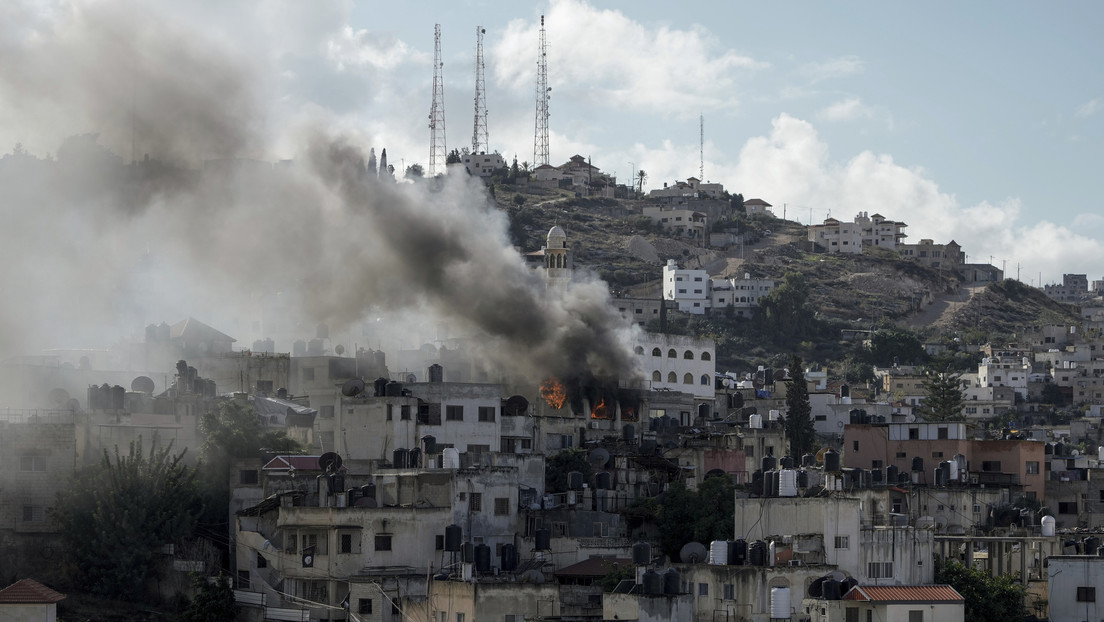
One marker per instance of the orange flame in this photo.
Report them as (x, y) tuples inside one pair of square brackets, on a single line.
[(601, 411), (554, 393)]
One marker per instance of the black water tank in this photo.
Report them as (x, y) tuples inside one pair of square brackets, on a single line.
[(831, 461), (672, 581), (653, 583), (875, 477), (1091, 544), (917, 464), (482, 558), (642, 553), (847, 584), (787, 462), (380, 387), (770, 487), (831, 589), (467, 552), (436, 373), (891, 475), (368, 491), (509, 558), (628, 432), (757, 483), (399, 458), (414, 458), (543, 539), (394, 389), (738, 554), (575, 480), (454, 536), (429, 443), (808, 460), (802, 479), (757, 553), (604, 481), (768, 463)]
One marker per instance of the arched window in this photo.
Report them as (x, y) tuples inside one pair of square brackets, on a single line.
[(657, 352), (672, 378), (705, 379), (671, 353), (656, 376), (688, 379), (688, 355), (639, 349), (705, 356)]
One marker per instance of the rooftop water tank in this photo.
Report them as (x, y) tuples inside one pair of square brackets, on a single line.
[(831, 461), (672, 581), (1048, 525), (787, 483), (718, 553), (454, 536), (653, 583), (642, 553), (450, 458), (780, 603)]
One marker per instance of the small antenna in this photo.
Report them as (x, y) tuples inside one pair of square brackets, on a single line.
[(701, 147)]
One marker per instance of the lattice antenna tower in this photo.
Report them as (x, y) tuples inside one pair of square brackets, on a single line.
[(438, 153), (540, 140), (701, 148), (480, 141)]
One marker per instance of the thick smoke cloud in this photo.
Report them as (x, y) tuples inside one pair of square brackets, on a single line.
[(96, 243)]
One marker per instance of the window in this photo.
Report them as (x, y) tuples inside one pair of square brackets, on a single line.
[(486, 413), (672, 378), (243, 579), (247, 477), (688, 355), (390, 412), (900, 454), (703, 589), (308, 374), (875, 464), (656, 376), (261, 561), (991, 466), (671, 353), (459, 617), (656, 352), (879, 570), (915, 615), (688, 379), (1086, 594), (705, 356), (942, 434), (855, 445), (346, 543), (33, 514), (475, 502), (843, 542), (383, 542), (937, 454), (749, 451), (32, 463), (1031, 467), (364, 605), (705, 379), (637, 349), (1064, 507), (454, 413), (404, 412), (327, 411), (502, 506), (914, 434), (729, 591), (852, 613)]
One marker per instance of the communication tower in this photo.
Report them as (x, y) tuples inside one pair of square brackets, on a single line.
[(438, 153), (480, 142), (540, 141)]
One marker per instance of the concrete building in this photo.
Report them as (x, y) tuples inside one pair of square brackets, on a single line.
[(757, 206), (836, 236), (1074, 288), (896, 603), (692, 188), (688, 289), (694, 291), (684, 222), (28, 600), (947, 256), (678, 363), (1075, 589), (482, 164)]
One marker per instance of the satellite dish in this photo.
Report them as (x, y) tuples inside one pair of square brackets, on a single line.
[(598, 458), (329, 462), (59, 397), (352, 387), (339, 349), (516, 406), (693, 553), (142, 384)]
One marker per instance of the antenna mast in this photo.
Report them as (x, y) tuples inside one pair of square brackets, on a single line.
[(438, 154), (540, 140), (701, 147), (479, 134)]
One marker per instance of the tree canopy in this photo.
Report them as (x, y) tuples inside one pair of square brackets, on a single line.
[(129, 506), (696, 516), (988, 598), (943, 400), (784, 314), (799, 412)]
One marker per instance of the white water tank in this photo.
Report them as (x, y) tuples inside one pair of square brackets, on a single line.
[(718, 553), (755, 421), (450, 458), (1100, 453), (780, 603), (773, 415), (1048, 525), (787, 483)]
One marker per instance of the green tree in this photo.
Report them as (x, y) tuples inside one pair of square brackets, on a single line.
[(737, 202), (675, 519), (641, 178), (896, 346), (1052, 394), (558, 467), (213, 601), (415, 171), (943, 399), (453, 157), (696, 516), (129, 506), (784, 313), (799, 412), (988, 598)]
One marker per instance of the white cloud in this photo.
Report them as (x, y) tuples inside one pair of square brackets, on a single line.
[(792, 166), (847, 110), (834, 68), (1088, 108), (617, 62), (355, 49)]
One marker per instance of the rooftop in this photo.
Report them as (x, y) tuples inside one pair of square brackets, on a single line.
[(904, 594), (29, 591)]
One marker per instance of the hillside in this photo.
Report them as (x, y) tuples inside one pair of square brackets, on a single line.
[(858, 291)]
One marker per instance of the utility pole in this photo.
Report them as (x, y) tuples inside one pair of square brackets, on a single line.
[(479, 133), (540, 138), (438, 152), (701, 147)]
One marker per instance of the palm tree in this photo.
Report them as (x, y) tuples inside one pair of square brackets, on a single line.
[(641, 177)]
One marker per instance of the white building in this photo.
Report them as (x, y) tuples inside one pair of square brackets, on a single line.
[(1072, 582), (695, 292), (741, 295), (688, 288), (1005, 371), (875, 230), (483, 164), (678, 363), (678, 221)]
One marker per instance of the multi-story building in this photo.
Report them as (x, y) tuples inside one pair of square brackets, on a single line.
[(678, 363), (1074, 288), (483, 164), (947, 256), (678, 221), (875, 230), (695, 292)]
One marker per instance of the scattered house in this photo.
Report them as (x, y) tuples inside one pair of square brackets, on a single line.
[(1074, 289), (947, 256), (757, 206), (694, 291), (836, 236), (681, 222), (28, 600), (483, 164), (691, 188), (891, 603)]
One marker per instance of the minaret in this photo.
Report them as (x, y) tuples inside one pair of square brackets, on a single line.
[(383, 172), (557, 257)]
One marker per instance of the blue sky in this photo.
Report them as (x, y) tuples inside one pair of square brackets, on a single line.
[(979, 122)]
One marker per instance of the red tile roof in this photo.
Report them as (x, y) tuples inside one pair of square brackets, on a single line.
[(29, 591), (904, 593)]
